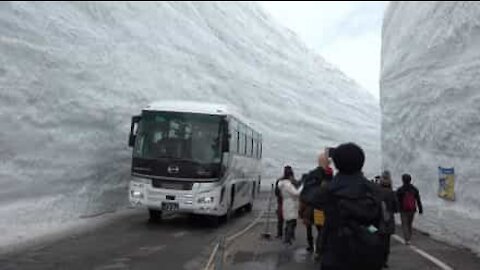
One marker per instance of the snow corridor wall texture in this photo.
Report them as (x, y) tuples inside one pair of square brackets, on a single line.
[(430, 100), (72, 75)]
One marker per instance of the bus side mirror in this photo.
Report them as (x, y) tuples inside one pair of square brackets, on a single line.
[(133, 133)]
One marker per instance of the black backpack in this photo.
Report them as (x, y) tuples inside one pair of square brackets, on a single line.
[(359, 229), (311, 183)]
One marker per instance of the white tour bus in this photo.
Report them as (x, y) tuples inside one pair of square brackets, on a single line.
[(195, 158)]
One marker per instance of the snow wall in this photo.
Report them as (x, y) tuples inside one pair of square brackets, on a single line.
[(73, 74), (430, 100)]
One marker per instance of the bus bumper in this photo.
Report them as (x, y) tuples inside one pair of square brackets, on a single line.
[(176, 201)]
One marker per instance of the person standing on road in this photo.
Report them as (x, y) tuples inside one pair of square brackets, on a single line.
[(389, 208), (408, 198), (279, 211), (315, 180), (352, 240), (289, 194)]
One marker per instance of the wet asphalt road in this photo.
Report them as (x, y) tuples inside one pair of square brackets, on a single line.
[(253, 253), (131, 242)]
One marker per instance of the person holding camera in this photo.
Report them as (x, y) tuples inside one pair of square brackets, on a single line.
[(314, 182)]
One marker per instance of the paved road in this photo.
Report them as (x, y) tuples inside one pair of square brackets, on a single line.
[(131, 242), (253, 253)]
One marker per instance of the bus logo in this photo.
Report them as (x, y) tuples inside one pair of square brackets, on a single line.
[(172, 169)]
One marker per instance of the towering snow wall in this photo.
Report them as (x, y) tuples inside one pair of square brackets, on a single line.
[(72, 75), (430, 99)]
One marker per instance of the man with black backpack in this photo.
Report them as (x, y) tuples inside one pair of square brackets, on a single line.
[(313, 183), (408, 198), (353, 215)]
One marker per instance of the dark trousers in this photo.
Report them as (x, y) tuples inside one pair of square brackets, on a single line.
[(318, 241), (290, 227), (386, 247), (280, 222), (407, 224)]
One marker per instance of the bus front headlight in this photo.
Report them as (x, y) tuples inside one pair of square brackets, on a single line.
[(206, 200), (135, 194)]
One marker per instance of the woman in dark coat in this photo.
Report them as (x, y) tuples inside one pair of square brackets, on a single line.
[(390, 207)]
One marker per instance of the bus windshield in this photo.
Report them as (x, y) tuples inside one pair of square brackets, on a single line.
[(177, 135)]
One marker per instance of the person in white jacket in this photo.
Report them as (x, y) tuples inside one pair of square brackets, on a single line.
[(290, 194)]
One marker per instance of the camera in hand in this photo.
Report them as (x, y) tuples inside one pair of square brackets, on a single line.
[(330, 151)]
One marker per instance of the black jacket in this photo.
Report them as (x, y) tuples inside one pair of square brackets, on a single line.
[(409, 188), (312, 189), (388, 196), (313, 192), (335, 247)]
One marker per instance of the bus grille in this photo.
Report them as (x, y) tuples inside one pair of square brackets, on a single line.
[(171, 185)]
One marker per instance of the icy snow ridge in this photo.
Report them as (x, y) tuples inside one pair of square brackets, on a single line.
[(72, 75), (430, 102)]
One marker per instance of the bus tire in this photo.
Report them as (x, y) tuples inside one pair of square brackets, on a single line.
[(230, 211), (215, 221), (249, 207), (225, 218), (155, 215)]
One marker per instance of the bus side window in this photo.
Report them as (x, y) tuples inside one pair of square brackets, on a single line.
[(246, 144), (261, 149), (242, 144), (252, 145), (233, 141), (238, 142)]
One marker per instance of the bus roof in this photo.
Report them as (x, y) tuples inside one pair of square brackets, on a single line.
[(197, 107), (189, 106)]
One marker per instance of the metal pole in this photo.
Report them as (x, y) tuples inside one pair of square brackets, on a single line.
[(267, 234), (220, 254)]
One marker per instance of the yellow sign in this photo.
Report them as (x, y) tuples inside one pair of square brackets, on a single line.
[(446, 187)]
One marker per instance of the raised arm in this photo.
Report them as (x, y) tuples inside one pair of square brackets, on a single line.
[(290, 188)]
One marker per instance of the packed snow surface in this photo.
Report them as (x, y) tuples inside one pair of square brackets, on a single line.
[(430, 99), (73, 74)]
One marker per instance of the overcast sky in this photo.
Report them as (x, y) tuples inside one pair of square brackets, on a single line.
[(347, 34)]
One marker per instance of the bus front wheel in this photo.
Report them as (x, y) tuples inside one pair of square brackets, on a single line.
[(249, 207), (155, 215)]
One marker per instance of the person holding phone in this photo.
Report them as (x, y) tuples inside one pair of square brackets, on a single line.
[(314, 184)]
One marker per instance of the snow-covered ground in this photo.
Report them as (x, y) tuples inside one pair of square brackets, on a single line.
[(72, 75), (430, 100)]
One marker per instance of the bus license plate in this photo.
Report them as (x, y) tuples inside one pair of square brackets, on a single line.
[(169, 207)]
